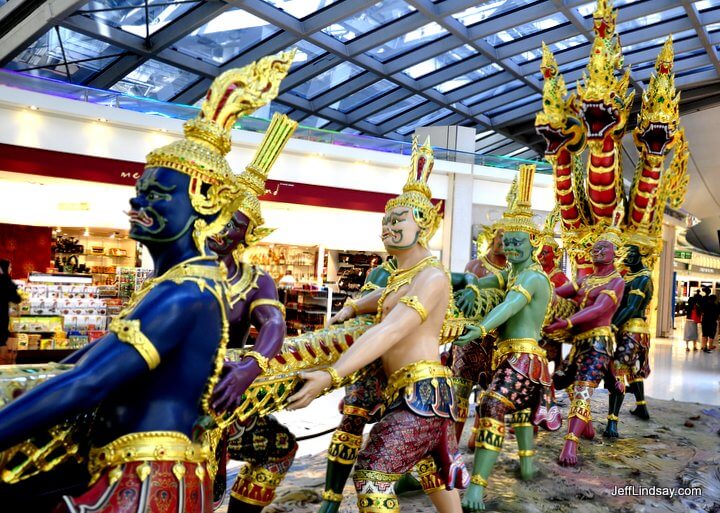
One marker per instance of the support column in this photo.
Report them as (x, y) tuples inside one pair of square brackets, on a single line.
[(457, 221), (665, 285)]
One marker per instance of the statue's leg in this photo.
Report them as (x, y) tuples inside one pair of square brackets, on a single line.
[(387, 455), (524, 433), (578, 419), (637, 387), (488, 445), (615, 400), (445, 501), (467, 365), (268, 450)]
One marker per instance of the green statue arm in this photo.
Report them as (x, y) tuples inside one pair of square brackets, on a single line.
[(634, 301), (466, 297), (515, 300)]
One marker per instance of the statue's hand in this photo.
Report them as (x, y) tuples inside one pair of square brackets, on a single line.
[(345, 313), (237, 377), (465, 301), (315, 383), (471, 333), (557, 325)]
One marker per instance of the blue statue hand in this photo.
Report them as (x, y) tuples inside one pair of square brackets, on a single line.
[(465, 301), (472, 332), (237, 377)]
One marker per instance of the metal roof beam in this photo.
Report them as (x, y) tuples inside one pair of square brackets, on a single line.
[(335, 13), (701, 32), (442, 45), (510, 20), (407, 117), (346, 89), (466, 91), (378, 104), (188, 23), (193, 93), (116, 71), (274, 44), (382, 35), (23, 32), (453, 70), (501, 99)]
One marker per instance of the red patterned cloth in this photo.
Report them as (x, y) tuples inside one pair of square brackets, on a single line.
[(631, 354), (159, 492)]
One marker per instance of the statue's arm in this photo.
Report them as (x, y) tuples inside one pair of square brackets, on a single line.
[(603, 305), (106, 367), (430, 291), (568, 290), (635, 301), (518, 296)]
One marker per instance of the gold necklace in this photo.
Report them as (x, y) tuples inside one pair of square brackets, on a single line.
[(641, 272), (402, 277), (490, 265), (593, 281)]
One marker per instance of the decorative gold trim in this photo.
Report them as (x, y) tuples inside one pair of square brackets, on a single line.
[(516, 345), (603, 331), (479, 480), (330, 496), (344, 447), (640, 403), (417, 371), (637, 292), (261, 360), (527, 453), (613, 417), (129, 332), (572, 438), (356, 411), (507, 402), (375, 476), (146, 446), (377, 503), (611, 294), (636, 325), (522, 290), (335, 379), (414, 303), (267, 302), (352, 304)]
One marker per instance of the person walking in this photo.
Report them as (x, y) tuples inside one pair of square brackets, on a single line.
[(710, 314), (693, 317), (8, 294)]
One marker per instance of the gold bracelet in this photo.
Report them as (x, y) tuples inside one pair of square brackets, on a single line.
[(570, 324), (335, 379), (572, 437), (414, 303), (483, 330), (352, 304), (479, 480), (261, 360), (475, 289), (526, 453), (267, 302), (329, 495)]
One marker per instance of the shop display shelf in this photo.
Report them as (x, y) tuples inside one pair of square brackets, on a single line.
[(42, 355)]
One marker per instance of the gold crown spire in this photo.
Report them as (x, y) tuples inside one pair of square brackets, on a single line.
[(518, 215), (613, 231), (201, 154), (664, 62), (417, 194), (548, 232)]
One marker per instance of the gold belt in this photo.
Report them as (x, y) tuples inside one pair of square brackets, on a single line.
[(417, 371), (603, 331), (516, 345), (147, 446), (636, 325)]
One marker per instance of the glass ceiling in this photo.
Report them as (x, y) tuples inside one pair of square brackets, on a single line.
[(382, 70)]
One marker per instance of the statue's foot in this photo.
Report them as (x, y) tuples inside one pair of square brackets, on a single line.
[(329, 507), (406, 484), (641, 412), (611, 430), (589, 431), (568, 455), (473, 499), (528, 470)]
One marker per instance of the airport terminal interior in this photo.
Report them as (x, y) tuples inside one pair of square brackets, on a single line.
[(359, 256)]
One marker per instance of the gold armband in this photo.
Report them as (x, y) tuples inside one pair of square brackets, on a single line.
[(414, 303), (267, 302), (329, 495), (572, 437), (352, 304), (522, 290), (335, 379), (611, 294), (128, 331), (526, 453), (569, 323), (637, 292), (261, 360), (483, 330)]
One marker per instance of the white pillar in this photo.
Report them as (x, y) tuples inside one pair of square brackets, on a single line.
[(664, 325), (457, 224)]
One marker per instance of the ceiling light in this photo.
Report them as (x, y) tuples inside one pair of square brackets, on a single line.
[(86, 233), (102, 120), (33, 107)]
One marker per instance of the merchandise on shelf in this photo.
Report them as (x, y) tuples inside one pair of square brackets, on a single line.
[(130, 279), (306, 310), (276, 260)]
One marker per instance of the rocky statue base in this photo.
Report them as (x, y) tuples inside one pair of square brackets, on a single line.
[(661, 452)]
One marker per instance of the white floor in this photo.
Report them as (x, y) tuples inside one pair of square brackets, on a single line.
[(676, 374)]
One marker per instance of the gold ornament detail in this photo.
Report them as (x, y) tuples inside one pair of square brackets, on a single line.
[(518, 215)]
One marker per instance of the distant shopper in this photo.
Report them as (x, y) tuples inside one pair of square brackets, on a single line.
[(287, 281), (8, 294), (693, 317), (710, 314)]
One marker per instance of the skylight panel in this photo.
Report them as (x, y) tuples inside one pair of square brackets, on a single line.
[(369, 19), (225, 37), (651, 19), (440, 61), (327, 80), (395, 109), (300, 8), (365, 95), (462, 80), (508, 36), (157, 80), (426, 120), (425, 34), (132, 17), (488, 10)]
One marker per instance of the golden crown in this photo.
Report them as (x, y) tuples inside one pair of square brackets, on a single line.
[(252, 180), (548, 232), (518, 215), (201, 154), (416, 192), (613, 231)]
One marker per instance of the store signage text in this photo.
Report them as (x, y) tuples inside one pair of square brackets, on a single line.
[(685, 255), (707, 270)]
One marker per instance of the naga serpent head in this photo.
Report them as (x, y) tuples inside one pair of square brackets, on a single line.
[(659, 117), (557, 123), (604, 106)]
